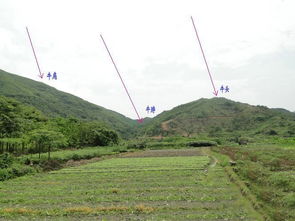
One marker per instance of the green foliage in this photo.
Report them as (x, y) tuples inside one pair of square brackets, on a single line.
[(5, 160), (272, 132), (243, 140), (171, 188), (137, 144), (15, 171), (10, 167), (201, 143), (217, 117), (46, 138), (80, 133), (16, 118), (54, 103), (95, 134), (222, 118), (269, 172), (28, 131), (103, 137), (74, 154)]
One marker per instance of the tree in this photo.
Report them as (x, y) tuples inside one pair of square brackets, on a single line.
[(16, 118), (43, 138), (9, 125), (104, 137), (95, 134)]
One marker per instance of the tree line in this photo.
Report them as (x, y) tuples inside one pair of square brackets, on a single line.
[(24, 129)]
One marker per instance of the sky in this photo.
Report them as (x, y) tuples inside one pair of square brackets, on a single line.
[(249, 46)]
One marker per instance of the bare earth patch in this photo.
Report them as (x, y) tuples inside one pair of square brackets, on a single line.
[(166, 153)]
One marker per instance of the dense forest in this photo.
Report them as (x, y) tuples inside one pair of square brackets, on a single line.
[(24, 129)]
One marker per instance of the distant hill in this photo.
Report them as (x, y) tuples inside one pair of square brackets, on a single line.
[(55, 103), (219, 115), (205, 116)]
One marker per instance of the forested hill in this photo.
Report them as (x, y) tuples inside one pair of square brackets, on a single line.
[(218, 116), (205, 116), (55, 103)]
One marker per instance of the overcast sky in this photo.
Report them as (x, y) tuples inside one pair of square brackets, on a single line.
[(249, 45)]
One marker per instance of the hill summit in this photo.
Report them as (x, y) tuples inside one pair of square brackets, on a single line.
[(220, 115), (212, 117)]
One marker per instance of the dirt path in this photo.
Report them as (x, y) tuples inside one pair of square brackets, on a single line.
[(213, 162), (165, 126), (206, 151)]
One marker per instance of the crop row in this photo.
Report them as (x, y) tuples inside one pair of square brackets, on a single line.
[(187, 188)]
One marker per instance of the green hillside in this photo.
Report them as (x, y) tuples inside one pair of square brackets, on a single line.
[(55, 103), (218, 116), (211, 117), (16, 118)]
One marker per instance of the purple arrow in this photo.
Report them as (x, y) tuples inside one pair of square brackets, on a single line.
[(40, 75), (140, 120), (215, 91)]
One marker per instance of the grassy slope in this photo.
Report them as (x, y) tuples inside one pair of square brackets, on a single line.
[(54, 103), (221, 115), (268, 171)]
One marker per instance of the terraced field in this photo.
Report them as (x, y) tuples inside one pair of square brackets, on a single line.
[(153, 185)]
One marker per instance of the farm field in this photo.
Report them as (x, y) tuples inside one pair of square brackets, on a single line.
[(269, 171), (147, 185)]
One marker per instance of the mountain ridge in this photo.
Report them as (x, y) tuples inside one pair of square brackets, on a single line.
[(55, 103), (217, 115), (203, 116)]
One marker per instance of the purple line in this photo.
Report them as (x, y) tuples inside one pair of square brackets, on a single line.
[(139, 118), (215, 92), (34, 53)]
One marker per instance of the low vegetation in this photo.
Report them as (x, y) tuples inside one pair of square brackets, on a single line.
[(268, 171), (148, 186), (12, 167)]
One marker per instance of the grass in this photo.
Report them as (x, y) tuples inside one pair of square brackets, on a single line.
[(77, 154), (30, 164), (268, 171), (146, 187)]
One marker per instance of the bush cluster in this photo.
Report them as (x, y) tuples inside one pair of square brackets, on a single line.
[(201, 143)]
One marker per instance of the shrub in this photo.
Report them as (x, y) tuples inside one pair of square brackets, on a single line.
[(104, 137), (15, 171), (289, 200), (5, 160), (282, 181), (4, 174), (272, 132), (243, 141), (201, 143), (252, 170), (76, 157), (20, 170), (137, 145)]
